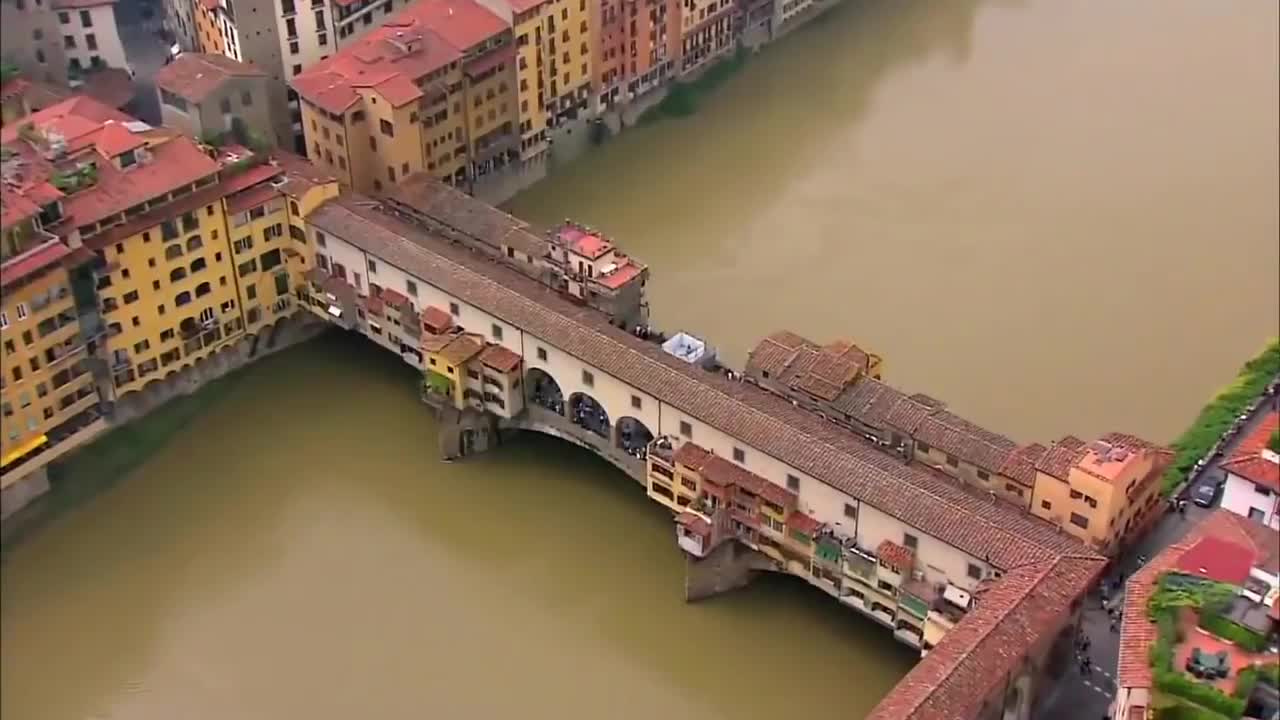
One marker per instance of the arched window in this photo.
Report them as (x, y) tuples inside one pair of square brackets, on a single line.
[(203, 289), (177, 274), (194, 243), (182, 298), (173, 251), (198, 264)]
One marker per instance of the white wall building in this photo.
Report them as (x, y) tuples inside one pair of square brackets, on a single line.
[(90, 38), (1253, 477)]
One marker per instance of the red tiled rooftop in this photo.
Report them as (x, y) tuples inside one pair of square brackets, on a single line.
[(1137, 632), (15, 207), (436, 320), (33, 260), (173, 164), (974, 661), (1248, 461), (1217, 559), (800, 522), (899, 557), (194, 76), (692, 455), (777, 494), (393, 298), (623, 275), (1062, 455), (251, 198), (694, 523), (419, 39), (500, 358)]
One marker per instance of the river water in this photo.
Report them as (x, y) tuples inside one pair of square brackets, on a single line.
[(1059, 216)]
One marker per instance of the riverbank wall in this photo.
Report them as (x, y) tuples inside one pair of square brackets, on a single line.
[(45, 476)]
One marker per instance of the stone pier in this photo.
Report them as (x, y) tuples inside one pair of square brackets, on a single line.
[(731, 565)]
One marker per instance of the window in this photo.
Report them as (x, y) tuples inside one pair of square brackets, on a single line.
[(922, 448), (983, 475), (456, 311), (412, 287), (1257, 515), (588, 379), (182, 298), (686, 429), (91, 42), (22, 308), (320, 238), (373, 266), (1076, 494), (1079, 521), (952, 460), (739, 455), (203, 289), (130, 297), (793, 483), (251, 291), (636, 402), (1045, 504), (851, 511), (391, 173), (86, 20), (248, 267), (225, 106), (975, 572), (69, 42), (1264, 492), (910, 541), (198, 264), (64, 18), (497, 331), (1090, 501), (542, 354), (387, 128)]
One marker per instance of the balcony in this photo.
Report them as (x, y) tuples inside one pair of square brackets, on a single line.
[(907, 635), (663, 451)]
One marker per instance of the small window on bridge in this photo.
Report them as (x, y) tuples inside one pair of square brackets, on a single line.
[(542, 354), (686, 429), (635, 402), (739, 455), (588, 379)]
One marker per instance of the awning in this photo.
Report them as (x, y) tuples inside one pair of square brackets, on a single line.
[(335, 311), (23, 449)]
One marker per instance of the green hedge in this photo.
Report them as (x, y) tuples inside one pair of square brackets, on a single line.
[(1176, 683), (1218, 415), (1166, 638), (1233, 632), (1184, 711), (1245, 682), (1269, 675)]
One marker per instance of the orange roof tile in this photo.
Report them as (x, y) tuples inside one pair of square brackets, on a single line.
[(421, 38), (435, 320), (898, 557), (500, 358), (37, 258), (800, 522), (1248, 462), (975, 660), (194, 76), (251, 198)]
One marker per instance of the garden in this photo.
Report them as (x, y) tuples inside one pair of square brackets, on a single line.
[(1181, 604)]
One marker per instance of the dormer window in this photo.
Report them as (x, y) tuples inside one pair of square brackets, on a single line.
[(128, 159)]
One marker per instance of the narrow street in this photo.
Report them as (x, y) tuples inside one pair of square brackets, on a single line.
[(1080, 697), (146, 52)]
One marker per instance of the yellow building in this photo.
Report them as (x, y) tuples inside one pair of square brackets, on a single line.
[(1103, 492), (706, 32), (468, 373), (431, 90), (47, 392), (554, 66)]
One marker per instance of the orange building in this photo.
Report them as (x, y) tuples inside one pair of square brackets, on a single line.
[(637, 48)]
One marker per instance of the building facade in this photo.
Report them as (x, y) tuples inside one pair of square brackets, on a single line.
[(432, 90), (205, 95), (132, 254), (1252, 487), (554, 40)]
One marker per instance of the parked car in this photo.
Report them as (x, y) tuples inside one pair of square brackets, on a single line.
[(1205, 494)]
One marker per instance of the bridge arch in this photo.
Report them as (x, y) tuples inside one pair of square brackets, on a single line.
[(588, 413), (544, 391), (632, 436)]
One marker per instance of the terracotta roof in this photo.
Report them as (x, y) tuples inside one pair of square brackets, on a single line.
[(251, 198), (1062, 455), (500, 358), (173, 164), (800, 522), (463, 348), (1137, 631), (960, 438), (974, 661), (416, 41), (909, 412), (1021, 465), (300, 175), (692, 455), (195, 76), (950, 512), (1217, 559), (33, 260), (777, 494), (393, 298), (424, 197), (15, 206), (898, 557), (773, 354), (435, 320), (1248, 463), (694, 523), (868, 401)]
